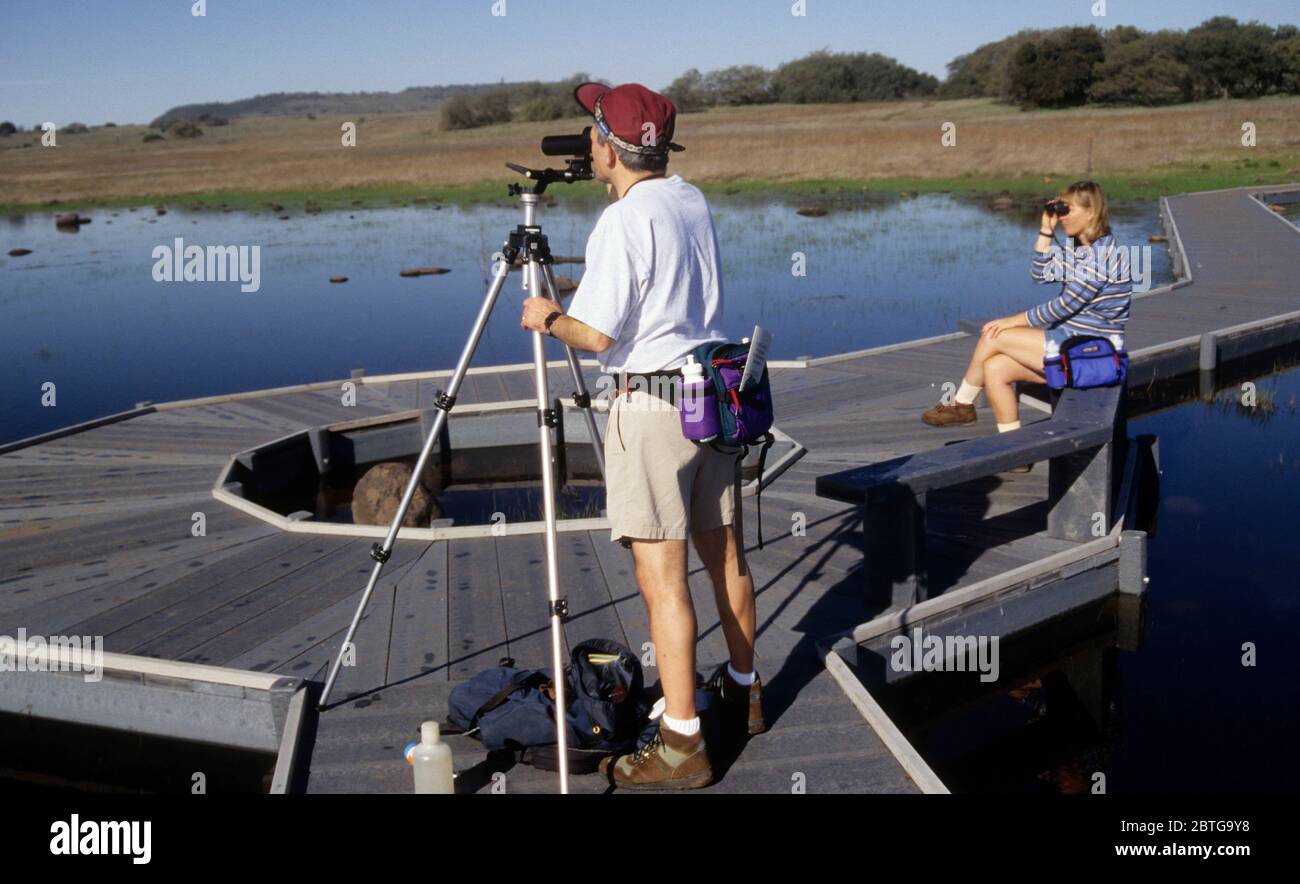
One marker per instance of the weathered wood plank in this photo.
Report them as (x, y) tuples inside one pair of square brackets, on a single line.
[(419, 641), (475, 619)]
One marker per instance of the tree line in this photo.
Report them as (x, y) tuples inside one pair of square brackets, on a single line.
[(1060, 67), (1064, 67)]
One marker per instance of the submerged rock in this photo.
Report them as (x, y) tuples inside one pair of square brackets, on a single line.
[(70, 220), (338, 279), (18, 253), (379, 491), (425, 271), (811, 211)]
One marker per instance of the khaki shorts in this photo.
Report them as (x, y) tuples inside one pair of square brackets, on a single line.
[(659, 485)]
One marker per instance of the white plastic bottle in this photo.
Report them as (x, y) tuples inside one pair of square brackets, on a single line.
[(698, 409), (432, 763)]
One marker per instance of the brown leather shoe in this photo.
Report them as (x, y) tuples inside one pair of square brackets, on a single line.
[(741, 707), (955, 415), (669, 761)]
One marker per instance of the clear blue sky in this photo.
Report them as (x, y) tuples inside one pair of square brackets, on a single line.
[(129, 60)]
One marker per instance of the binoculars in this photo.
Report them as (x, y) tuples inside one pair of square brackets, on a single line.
[(1056, 207)]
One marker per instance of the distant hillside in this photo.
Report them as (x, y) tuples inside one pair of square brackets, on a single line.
[(298, 104)]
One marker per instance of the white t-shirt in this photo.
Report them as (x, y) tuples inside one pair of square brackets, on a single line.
[(653, 281)]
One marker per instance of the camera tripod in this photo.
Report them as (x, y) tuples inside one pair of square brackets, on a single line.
[(528, 241)]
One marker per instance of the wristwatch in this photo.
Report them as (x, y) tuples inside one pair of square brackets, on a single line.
[(555, 314)]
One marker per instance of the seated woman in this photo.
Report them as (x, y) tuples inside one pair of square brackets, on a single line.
[(1094, 300)]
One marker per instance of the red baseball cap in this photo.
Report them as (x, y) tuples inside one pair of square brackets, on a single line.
[(622, 113)]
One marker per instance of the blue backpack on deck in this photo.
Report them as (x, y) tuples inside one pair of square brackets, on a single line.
[(509, 708)]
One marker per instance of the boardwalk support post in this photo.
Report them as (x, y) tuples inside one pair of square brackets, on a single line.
[(1209, 356), (1133, 562), (894, 530)]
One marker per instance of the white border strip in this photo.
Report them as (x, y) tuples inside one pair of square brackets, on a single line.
[(955, 598), (1185, 277), (912, 762), (1256, 198), (76, 659), (887, 348), (286, 759)]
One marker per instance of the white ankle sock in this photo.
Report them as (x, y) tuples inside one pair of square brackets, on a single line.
[(1003, 428), (745, 678), (686, 727), (967, 393)]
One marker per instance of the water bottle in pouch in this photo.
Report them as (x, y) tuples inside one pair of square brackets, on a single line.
[(699, 404)]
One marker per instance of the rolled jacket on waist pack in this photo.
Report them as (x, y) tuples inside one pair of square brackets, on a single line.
[(1084, 362)]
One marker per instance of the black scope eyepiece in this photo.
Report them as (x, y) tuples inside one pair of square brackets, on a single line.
[(568, 145)]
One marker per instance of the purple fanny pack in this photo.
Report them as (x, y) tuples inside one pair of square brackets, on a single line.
[(744, 415), (726, 415)]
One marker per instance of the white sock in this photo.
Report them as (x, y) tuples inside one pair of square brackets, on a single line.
[(686, 727), (1014, 425), (745, 678), (966, 395)]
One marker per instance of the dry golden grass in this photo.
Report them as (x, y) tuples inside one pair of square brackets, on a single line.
[(781, 143)]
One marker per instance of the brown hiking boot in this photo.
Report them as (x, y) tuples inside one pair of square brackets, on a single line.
[(669, 761), (955, 415), (741, 709)]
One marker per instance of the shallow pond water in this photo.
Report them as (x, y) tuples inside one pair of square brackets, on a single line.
[(83, 311)]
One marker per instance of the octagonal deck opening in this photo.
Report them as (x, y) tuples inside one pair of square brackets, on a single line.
[(483, 473)]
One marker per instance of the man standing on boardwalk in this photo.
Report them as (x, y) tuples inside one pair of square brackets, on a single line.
[(651, 293)]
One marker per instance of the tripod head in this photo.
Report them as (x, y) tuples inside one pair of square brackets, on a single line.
[(576, 168)]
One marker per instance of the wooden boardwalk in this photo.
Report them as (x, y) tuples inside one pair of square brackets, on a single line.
[(95, 539)]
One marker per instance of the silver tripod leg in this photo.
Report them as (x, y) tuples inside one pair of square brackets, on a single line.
[(580, 386), (533, 281), (380, 553)]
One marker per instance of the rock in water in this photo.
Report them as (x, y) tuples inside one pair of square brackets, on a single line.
[(379, 491), (424, 271), (338, 279), (811, 212), (18, 253)]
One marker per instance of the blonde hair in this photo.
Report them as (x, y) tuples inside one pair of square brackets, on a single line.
[(1089, 195)]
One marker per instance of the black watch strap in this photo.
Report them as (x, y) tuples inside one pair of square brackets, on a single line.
[(550, 320)]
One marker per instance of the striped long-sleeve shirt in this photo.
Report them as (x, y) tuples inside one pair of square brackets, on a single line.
[(1096, 288)]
